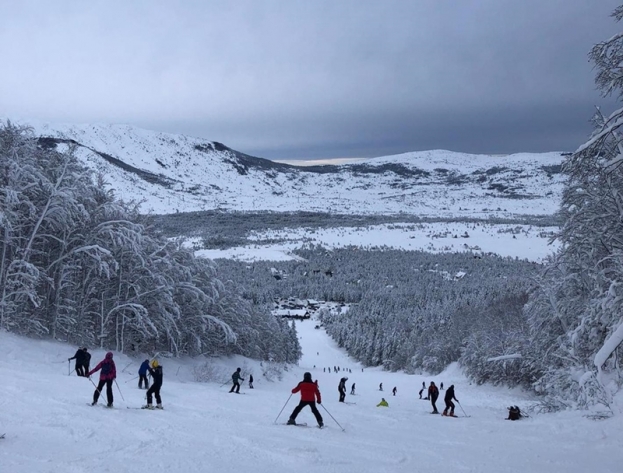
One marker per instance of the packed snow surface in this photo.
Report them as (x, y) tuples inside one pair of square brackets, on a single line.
[(51, 428)]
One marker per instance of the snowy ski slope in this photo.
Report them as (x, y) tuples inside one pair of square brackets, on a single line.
[(50, 427)]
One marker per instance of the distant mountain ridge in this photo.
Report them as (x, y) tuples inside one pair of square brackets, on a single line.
[(176, 173)]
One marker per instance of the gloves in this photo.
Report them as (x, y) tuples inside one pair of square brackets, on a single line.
[(319, 402)]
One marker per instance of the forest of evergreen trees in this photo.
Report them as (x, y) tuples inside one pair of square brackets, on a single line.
[(409, 310), (81, 266)]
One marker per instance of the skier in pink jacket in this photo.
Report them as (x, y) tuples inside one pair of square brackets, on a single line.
[(107, 376)]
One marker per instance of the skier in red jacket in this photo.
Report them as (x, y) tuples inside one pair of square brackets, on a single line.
[(309, 395)]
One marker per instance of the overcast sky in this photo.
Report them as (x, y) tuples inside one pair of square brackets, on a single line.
[(303, 79)]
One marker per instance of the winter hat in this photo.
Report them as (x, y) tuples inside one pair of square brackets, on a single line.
[(307, 377), (154, 364), (109, 355)]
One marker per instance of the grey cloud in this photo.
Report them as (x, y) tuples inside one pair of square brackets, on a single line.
[(298, 79)]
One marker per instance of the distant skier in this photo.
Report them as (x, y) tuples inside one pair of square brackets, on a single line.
[(381, 387), (342, 389), (448, 400), (433, 394), (107, 376), (324, 370), (383, 403), (421, 391), (250, 381), (352, 390), (310, 394), (142, 375), (156, 375), (236, 378), (395, 390), (423, 385), (86, 361), (79, 357), (441, 386)]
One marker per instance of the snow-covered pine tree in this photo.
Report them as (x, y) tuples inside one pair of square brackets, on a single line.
[(78, 265), (576, 315)]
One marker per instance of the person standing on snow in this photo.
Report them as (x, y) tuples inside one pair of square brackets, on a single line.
[(448, 400), (86, 361), (236, 378), (433, 394), (156, 375), (250, 381), (352, 390), (342, 389), (381, 387), (310, 394), (142, 375), (395, 390), (107, 376), (79, 357)]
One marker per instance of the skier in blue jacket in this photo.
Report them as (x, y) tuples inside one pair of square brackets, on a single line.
[(142, 375)]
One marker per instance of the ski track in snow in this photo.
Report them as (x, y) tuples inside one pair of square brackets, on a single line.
[(50, 427)]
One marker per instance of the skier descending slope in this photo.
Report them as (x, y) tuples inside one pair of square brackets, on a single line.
[(156, 375), (107, 376), (142, 375), (236, 378), (309, 395), (342, 389), (79, 357), (449, 404), (433, 394)]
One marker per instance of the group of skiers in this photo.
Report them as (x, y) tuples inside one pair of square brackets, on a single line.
[(108, 375), (310, 394), (433, 394), (83, 360)]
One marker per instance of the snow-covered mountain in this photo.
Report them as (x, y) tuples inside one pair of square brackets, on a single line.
[(172, 173)]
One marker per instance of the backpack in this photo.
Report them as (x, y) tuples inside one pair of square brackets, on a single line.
[(514, 413), (106, 368)]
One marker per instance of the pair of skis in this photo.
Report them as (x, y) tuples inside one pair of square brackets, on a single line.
[(304, 424)]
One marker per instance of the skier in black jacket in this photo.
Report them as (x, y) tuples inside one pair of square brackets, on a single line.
[(236, 378), (155, 370), (86, 362), (448, 400), (79, 357), (342, 389)]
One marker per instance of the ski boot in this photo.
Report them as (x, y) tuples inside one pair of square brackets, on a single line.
[(159, 406), (291, 422), (148, 406), (320, 425), (109, 405)]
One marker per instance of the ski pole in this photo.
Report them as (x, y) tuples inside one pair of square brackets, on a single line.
[(224, 383), (119, 390), (96, 388), (68, 368), (131, 379), (462, 408), (284, 406), (343, 430)]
